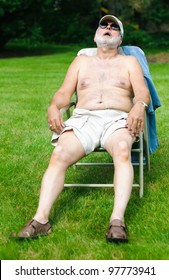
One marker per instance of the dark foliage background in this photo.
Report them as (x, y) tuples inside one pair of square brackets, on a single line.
[(67, 21)]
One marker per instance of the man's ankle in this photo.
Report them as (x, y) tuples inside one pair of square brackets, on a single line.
[(40, 220)]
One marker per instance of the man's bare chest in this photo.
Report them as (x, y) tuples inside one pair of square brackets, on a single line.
[(104, 75)]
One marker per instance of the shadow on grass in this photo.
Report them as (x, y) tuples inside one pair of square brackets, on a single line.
[(14, 51), (72, 196), (68, 201)]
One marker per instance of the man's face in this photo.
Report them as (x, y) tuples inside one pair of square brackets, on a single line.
[(108, 35)]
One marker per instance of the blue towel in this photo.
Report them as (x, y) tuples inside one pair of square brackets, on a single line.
[(155, 100)]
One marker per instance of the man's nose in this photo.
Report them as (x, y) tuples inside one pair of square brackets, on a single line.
[(108, 26)]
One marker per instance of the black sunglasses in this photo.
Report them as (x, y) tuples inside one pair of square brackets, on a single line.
[(113, 26)]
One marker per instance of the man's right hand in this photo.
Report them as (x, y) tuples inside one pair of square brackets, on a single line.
[(55, 120)]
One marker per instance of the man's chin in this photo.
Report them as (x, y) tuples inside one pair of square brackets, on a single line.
[(107, 46)]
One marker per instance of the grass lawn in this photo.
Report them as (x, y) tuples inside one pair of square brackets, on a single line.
[(81, 215)]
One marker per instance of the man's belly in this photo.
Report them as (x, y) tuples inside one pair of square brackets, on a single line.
[(105, 99), (95, 104)]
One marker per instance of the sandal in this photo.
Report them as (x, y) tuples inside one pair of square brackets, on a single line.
[(117, 231), (34, 229)]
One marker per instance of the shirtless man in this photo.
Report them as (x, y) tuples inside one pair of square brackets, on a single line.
[(112, 97)]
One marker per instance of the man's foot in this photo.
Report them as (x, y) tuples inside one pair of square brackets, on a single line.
[(34, 229), (116, 232)]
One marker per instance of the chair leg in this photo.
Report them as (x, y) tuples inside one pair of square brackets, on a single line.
[(146, 143), (141, 166)]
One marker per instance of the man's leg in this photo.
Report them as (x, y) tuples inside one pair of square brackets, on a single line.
[(119, 147), (68, 151)]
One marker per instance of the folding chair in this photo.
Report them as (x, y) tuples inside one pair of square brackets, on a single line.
[(140, 150)]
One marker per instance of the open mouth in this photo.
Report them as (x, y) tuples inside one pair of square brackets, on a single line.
[(107, 34)]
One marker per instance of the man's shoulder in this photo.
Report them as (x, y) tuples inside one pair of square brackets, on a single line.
[(81, 58), (78, 61), (129, 59)]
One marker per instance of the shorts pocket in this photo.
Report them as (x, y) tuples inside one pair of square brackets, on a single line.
[(76, 121)]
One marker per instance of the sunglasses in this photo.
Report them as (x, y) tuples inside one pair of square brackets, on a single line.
[(113, 26)]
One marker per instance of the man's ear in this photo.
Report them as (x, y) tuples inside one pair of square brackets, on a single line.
[(120, 42), (94, 39)]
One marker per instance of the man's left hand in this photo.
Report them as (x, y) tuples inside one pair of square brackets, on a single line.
[(135, 120)]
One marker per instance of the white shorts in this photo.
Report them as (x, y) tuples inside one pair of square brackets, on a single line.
[(92, 128)]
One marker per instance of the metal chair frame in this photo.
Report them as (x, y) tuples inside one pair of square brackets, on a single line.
[(142, 150)]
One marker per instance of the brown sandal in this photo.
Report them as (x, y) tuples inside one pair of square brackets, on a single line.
[(116, 231), (34, 229)]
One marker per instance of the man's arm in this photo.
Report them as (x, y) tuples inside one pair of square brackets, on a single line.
[(141, 98), (62, 97)]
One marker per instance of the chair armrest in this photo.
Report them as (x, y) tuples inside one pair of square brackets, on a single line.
[(67, 109)]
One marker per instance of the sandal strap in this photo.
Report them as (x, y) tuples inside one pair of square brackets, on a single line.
[(38, 227), (117, 231), (33, 229), (117, 223)]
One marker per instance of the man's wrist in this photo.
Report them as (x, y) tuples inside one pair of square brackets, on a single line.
[(143, 103)]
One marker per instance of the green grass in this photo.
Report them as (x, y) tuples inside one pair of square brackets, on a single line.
[(80, 216)]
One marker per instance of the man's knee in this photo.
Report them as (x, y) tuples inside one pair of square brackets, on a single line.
[(60, 156), (122, 151)]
